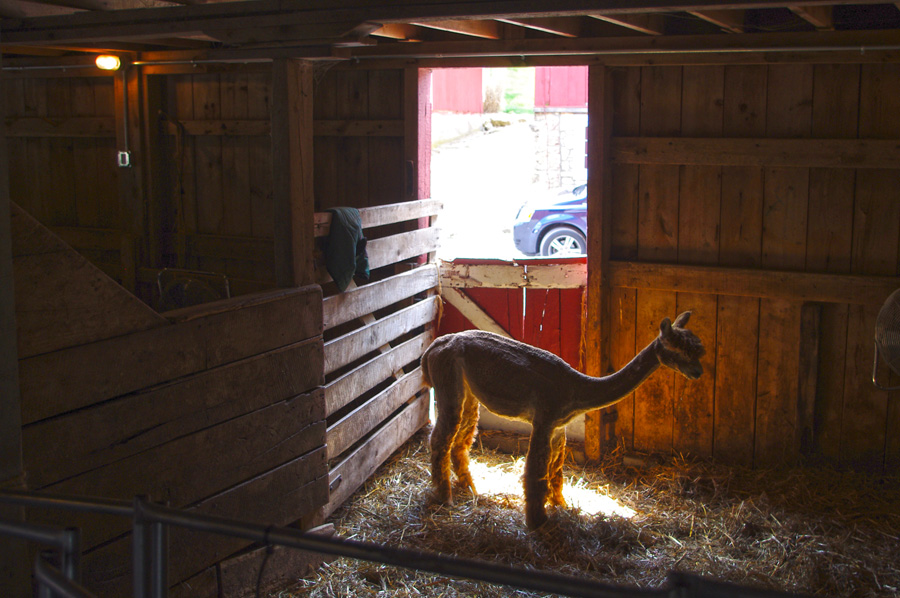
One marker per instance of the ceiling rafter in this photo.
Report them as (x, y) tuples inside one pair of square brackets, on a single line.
[(111, 5), (651, 24), (820, 17), (562, 26), (400, 31), (22, 9), (729, 20), (482, 29), (329, 26), (744, 42)]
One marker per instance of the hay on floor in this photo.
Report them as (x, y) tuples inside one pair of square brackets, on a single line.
[(814, 530)]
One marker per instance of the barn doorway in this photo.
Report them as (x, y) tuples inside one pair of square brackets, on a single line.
[(509, 161)]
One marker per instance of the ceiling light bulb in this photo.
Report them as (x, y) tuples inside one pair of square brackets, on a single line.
[(108, 62)]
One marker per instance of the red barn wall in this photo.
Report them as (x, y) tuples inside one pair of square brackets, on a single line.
[(457, 90)]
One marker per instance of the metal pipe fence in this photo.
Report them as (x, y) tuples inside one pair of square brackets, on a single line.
[(150, 524)]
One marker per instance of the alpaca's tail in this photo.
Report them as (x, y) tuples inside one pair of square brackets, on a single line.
[(424, 364)]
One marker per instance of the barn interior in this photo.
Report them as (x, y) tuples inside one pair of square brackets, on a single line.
[(166, 311)]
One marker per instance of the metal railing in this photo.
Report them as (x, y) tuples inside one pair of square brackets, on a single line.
[(150, 554)]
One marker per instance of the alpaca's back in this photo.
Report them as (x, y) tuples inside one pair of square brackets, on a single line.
[(509, 377)]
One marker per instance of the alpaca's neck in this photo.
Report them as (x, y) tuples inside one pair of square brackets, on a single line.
[(597, 393)]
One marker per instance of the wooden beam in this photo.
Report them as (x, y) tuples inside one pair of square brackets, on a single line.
[(729, 20), (271, 33), (482, 29), (292, 171), (562, 26), (571, 274), (397, 248), (226, 128), (656, 48), (386, 214), (348, 387), (88, 26), (820, 17), (84, 126), (358, 128), (14, 577), (128, 95), (766, 284), (400, 31), (22, 9), (10, 403), (353, 345), (595, 331), (352, 427), (366, 299), (651, 24), (473, 312), (781, 153), (108, 5)]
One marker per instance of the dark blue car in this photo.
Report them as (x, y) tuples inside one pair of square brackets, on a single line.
[(555, 228)]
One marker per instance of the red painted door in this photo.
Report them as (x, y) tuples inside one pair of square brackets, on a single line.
[(546, 318)]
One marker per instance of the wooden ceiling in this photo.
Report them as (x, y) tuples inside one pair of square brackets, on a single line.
[(516, 31)]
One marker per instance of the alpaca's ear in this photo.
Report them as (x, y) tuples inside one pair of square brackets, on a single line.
[(665, 327), (681, 320)]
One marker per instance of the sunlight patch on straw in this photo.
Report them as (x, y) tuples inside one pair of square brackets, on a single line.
[(507, 479)]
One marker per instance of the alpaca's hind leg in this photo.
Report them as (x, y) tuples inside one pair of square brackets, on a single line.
[(537, 464), (557, 459), (449, 411), (463, 440)]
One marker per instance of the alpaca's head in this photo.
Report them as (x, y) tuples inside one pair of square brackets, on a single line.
[(679, 348)]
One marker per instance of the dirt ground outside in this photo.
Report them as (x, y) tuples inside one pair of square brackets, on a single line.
[(483, 178)]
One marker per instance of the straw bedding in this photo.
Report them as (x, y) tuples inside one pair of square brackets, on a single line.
[(812, 530)]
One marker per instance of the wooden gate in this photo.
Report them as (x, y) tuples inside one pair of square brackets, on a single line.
[(536, 301)]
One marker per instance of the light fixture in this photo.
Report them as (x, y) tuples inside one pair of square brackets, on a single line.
[(108, 62)]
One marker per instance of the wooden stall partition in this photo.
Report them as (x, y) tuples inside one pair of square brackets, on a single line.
[(375, 333), (749, 194), (215, 408)]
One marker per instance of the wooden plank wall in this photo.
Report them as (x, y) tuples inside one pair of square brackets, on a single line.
[(753, 166), (216, 214), (61, 136), (359, 137)]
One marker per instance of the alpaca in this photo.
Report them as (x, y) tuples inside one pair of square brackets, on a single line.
[(525, 383)]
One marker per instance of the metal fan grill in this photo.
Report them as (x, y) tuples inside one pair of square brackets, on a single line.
[(887, 338)]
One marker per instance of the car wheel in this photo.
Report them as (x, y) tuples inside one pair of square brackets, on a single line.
[(563, 242)]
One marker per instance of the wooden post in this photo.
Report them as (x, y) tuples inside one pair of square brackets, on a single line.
[(595, 332), (131, 196), (155, 149), (14, 578), (292, 171)]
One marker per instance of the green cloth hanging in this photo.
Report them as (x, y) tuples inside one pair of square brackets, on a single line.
[(345, 249)]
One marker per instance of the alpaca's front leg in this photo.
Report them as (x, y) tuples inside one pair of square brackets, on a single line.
[(537, 464), (557, 459)]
